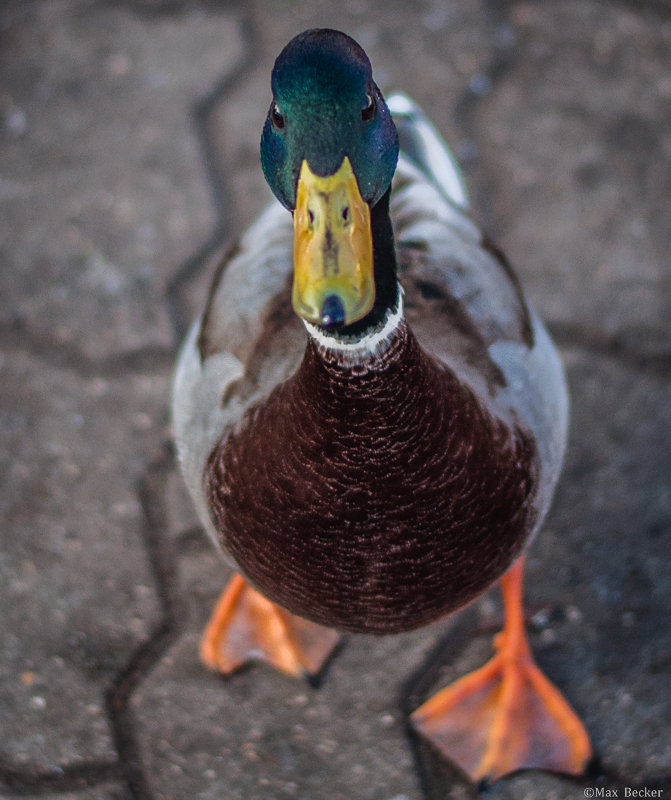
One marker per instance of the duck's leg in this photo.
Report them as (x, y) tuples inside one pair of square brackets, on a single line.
[(246, 626), (507, 715)]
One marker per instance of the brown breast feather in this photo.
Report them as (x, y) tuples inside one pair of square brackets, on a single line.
[(373, 499)]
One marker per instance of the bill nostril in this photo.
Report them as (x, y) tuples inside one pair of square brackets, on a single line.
[(333, 311)]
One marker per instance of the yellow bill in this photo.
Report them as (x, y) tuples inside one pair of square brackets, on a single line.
[(333, 248)]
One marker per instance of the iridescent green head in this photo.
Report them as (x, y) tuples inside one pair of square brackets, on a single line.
[(329, 150), (326, 106)]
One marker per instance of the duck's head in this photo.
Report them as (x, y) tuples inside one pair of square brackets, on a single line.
[(329, 150)]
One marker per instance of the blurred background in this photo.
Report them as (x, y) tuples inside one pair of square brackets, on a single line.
[(129, 154)]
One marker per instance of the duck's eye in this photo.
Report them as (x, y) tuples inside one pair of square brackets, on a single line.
[(276, 116), (368, 112)]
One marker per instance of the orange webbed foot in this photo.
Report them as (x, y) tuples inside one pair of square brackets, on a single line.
[(245, 626), (506, 715)]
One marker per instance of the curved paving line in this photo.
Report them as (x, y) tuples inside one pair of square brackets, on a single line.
[(502, 34), (217, 176), (149, 358), (435, 774), (613, 346), (128, 768), (160, 553), (37, 782), (162, 562)]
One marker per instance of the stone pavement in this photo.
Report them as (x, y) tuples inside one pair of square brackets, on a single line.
[(129, 153)]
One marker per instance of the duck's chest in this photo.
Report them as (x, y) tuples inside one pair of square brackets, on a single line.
[(372, 499)]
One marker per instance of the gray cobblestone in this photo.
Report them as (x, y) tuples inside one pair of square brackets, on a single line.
[(104, 185), (607, 102)]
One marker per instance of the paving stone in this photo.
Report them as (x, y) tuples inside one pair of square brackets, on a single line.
[(258, 734), (615, 502), (77, 593), (573, 138), (103, 187)]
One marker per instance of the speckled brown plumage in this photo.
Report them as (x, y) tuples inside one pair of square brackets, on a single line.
[(372, 498)]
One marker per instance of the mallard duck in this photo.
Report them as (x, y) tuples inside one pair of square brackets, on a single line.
[(369, 416)]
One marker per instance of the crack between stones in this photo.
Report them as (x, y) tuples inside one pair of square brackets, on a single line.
[(73, 777), (150, 358), (201, 113), (162, 562), (615, 347)]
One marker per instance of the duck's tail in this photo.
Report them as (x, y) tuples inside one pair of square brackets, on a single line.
[(423, 145)]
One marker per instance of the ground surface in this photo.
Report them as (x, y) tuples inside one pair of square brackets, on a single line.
[(129, 151)]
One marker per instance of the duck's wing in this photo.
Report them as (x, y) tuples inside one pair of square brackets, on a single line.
[(420, 143), (464, 302), (247, 341)]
